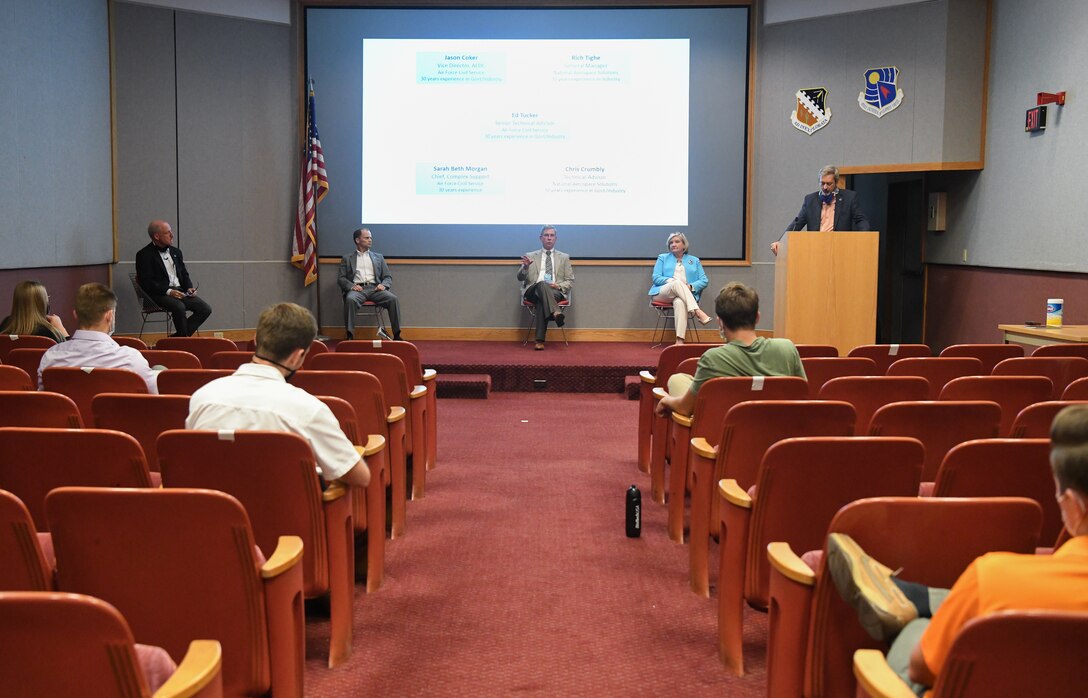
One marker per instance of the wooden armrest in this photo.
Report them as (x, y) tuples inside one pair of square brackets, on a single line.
[(417, 391), (647, 377), (682, 420), (200, 666), (335, 490), (429, 374), (288, 553), (789, 565), (701, 447), (660, 393), (374, 444), (396, 413), (876, 678), (733, 494)]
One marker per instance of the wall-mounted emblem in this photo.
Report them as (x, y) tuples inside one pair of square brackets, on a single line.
[(882, 92), (812, 112)]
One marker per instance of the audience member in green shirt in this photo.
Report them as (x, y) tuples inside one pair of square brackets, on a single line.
[(743, 354)]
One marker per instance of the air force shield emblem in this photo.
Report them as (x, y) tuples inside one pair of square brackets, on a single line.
[(882, 93), (812, 112)]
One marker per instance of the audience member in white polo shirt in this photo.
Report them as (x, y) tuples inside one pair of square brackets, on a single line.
[(258, 397), (91, 346)]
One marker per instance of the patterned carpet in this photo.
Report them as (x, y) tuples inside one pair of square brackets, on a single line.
[(515, 574)]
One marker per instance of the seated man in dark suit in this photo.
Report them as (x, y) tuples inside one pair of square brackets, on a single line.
[(829, 209), (161, 273), (364, 276)]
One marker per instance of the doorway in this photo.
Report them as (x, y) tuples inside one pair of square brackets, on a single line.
[(896, 206)]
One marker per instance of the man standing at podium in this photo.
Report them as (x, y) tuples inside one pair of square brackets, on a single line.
[(829, 209)]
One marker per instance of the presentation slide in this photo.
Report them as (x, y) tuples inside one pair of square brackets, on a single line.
[(458, 132), (590, 132)]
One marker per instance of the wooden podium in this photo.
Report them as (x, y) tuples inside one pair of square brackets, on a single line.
[(825, 288)]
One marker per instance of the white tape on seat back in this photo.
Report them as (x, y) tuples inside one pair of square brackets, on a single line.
[(757, 383), (86, 369), (893, 350), (376, 343), (225, 434)]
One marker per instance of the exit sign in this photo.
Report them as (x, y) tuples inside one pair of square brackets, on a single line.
[(1035, 120)]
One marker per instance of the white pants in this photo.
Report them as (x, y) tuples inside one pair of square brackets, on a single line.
[(683, 304)]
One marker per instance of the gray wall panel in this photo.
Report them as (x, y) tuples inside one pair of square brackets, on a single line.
[(211, 135), (236, 135), (928, 83), (265, 283), (963, 85), (230, 192), (55, 188), (222, 285), (878, 39), (145, 126), (1022, 211)]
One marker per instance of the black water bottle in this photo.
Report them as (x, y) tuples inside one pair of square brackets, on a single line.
[(634, 512)]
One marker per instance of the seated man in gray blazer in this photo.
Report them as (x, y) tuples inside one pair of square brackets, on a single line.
[(546, 278), (364, 276)]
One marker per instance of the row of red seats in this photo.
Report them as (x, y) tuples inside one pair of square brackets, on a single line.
[(801, 483), (246, 465), (184, 377), (183, 564), (1013, 395), (148, 415)]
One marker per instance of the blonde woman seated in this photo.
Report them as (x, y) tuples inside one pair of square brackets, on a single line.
[(30, 313), (679, 279)]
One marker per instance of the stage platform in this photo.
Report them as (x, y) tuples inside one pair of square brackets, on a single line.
[(581, 367)]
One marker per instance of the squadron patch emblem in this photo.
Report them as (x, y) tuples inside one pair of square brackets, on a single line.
[(812, 112), (882, 93)]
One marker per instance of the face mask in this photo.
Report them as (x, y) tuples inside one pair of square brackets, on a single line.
[(1070, 525), (826, 198), (290, 371)]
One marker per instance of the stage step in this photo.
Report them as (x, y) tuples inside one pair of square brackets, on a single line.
[(631, 386), (464, 385)]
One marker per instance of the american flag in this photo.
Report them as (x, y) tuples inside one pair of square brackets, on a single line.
[(312, 188)]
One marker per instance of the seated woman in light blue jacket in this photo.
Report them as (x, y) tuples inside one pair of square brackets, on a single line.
[(679, 278)]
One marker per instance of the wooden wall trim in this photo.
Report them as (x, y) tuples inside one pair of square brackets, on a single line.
[(113, 131), (912, 167), (513, 262), (470, 334), (985, 84), (506, 4), (750, 128)]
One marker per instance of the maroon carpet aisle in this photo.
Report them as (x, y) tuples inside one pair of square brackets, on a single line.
[(515, 574)]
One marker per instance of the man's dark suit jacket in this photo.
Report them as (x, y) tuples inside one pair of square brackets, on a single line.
[(848, 213), (346, 278), (151, 272)]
